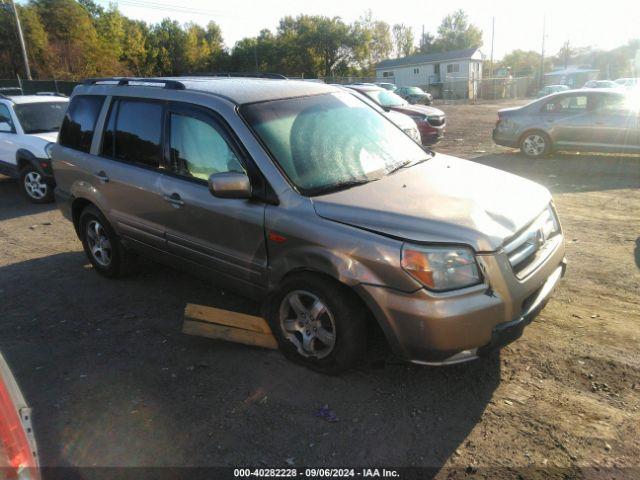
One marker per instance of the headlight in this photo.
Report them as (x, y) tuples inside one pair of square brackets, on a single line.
[(47, 149), (413, 133), (441, 268)]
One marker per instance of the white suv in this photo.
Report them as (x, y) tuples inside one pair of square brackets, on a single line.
[(28, 125)]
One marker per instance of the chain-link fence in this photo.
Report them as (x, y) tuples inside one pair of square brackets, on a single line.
[(30, 87)]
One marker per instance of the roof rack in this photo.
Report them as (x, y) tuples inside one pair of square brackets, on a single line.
[(121, 81), (274, 76), (51, 94)]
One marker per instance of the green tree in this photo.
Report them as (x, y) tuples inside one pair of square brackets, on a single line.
[(372, 42), (168, 48), (403, 40), (456, 33)]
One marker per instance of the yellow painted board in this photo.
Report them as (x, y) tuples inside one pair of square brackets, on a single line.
[(226, 317), (232, 334)]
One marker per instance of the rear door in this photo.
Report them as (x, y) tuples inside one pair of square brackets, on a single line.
[(226, 235), (128, 169), (569, 119)]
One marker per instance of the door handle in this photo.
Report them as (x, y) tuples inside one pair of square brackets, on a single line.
[(102, 176), (174, 199)]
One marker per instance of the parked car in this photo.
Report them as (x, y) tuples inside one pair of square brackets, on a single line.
[(414, 95), (549, 89), (304, 196), (591, 120), (28, 126), (628, 82), (387, 86), (601, 84), (431, 121)]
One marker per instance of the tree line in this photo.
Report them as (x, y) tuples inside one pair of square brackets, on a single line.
[(68, 39)]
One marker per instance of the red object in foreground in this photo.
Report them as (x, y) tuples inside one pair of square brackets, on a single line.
[(277, 238), (17, 452)]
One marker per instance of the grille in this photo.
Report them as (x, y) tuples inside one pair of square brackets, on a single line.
[(527, 250), (436, 121)]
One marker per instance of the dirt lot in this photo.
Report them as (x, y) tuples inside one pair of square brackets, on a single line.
[(112, 381)]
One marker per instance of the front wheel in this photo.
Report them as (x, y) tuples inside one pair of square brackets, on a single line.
[(318, 323), (535, 144), (34, 186)]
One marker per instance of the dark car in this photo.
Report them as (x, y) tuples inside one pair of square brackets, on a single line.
[(414, 95), (588, 120), (431, 121)]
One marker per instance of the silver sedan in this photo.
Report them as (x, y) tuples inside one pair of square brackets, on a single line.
[(588, 120)]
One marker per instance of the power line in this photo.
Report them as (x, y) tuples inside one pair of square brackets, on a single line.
[(168, 7)]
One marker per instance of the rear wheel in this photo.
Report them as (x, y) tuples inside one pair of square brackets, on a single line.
[(102, 246), (318, 323), (34, 186), (535, 144)]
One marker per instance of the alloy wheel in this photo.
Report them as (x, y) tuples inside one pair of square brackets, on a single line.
[(99, 244), (35, 186), (307, 322), (534, 145)]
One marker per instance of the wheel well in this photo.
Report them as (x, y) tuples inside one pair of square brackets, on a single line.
[(374, 331), (78, 205), (23, 162), (534, 130)]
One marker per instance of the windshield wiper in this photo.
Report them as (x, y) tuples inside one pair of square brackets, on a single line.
[(340, 186), (411, 163)]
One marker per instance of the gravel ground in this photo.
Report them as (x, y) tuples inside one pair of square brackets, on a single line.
[(113, 382)]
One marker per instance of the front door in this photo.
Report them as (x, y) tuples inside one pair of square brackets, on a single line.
[(226, 235), (8, 145), (617, 123)]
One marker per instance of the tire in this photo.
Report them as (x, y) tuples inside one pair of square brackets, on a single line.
[(34, 186), (102, 246), (535, 144), (336, 334)]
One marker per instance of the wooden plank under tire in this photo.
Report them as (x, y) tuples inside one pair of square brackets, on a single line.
[(211, 322)]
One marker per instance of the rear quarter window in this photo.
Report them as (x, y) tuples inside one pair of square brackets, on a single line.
[(79, 122)]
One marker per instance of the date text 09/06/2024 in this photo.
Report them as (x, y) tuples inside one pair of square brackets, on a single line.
[(315, 473)]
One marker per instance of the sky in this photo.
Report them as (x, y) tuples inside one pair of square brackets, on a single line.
[(518, 24)]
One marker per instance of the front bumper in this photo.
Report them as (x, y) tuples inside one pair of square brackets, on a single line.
[(429, 134), (452, 327)]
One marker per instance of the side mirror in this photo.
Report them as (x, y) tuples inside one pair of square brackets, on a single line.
[(230, 185), (5, 126)]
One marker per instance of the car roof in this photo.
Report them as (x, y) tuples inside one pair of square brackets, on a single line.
[(366, 88), (22, 99), (238, 90)]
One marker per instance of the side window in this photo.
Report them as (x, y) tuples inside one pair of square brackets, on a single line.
[(198, 149), (80, 121), (567, 104), (5, 117), (613, 105), (138, 133)]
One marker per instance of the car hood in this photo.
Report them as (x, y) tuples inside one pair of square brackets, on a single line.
[(419, 109), (47, 136), (443, 200), (400, 119)]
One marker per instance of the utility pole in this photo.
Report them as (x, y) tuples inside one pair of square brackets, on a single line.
[(493, 31), (544, 34), (21, 38)]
